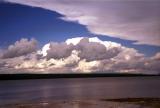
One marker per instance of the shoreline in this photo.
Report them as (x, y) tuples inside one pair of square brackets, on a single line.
[(102, 103), (73, 75)]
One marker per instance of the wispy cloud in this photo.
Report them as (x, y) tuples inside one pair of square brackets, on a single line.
[(131, 20), (83, 55)]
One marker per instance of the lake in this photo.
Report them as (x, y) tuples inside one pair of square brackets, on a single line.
[(17, 91)]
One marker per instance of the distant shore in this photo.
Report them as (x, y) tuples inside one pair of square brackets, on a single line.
[(105, 103), (77, 75)]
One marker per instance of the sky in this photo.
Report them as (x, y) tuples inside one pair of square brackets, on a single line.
[(79, 36)]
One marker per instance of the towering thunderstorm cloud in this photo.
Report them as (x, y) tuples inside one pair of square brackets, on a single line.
[(79, 54)]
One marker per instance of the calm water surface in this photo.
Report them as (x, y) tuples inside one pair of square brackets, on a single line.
[(18, 91)]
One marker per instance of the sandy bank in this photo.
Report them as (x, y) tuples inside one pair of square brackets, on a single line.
[(104, 103)]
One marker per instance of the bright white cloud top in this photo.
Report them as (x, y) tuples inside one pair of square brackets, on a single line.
[(125, 19), (75, 55)]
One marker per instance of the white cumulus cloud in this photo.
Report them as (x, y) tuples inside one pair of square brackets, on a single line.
[(86, 55), (22, 47)]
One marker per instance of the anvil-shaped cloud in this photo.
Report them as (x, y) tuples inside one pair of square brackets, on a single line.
[(126, 19), (79, 54)]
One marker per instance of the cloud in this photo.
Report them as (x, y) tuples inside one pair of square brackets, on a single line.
[(84, 66), (44, 50), (131, 20), (95, 51), (156, 56), (87, 48), (44, 65), (22, 47), (59, 50), (130, 61), (83, 55)]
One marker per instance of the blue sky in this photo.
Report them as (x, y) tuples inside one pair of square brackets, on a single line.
[(20, 21)]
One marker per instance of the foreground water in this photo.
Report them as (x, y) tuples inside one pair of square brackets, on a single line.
[(18, 91)]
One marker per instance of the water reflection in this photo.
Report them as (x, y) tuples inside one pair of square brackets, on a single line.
[(78, 89)]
